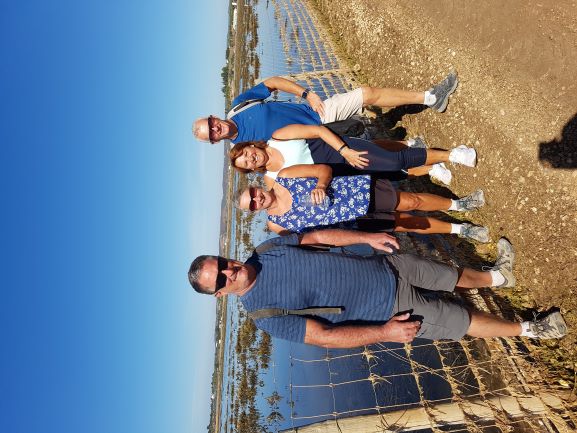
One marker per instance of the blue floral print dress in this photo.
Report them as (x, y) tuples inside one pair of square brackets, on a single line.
[(349, 199)]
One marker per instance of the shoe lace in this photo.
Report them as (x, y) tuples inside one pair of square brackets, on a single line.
[(469, 202), (497, 267), (541, 326)]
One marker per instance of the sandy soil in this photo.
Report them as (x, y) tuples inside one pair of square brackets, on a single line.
[(516, 104)]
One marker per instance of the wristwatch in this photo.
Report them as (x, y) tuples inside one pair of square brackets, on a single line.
[(305, 93)]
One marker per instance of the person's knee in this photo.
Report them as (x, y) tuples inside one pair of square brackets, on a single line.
[(368, 95), (409, 201)]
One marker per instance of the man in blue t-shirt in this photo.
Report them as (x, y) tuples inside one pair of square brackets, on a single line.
[(259, 120), (356, 300)]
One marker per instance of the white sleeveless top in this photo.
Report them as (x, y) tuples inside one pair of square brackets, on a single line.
[(294, 152)]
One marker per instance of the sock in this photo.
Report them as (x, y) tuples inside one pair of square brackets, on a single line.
[(497, 278), (455, 229), (526, 330), (430, 99), (454, 205), (411, 142)]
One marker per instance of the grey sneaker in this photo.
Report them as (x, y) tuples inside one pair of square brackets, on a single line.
[(473, 201), (504, 262), (463, 155), (477, 233), (443, 90), (417, 143), (551, 326)]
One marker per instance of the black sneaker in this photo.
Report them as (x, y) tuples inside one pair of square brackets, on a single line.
[(551, 326), (443, 90)]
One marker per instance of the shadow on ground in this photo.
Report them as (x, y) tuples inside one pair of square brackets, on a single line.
[(561, 153)]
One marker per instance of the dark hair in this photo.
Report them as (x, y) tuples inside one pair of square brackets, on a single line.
[(194, 274), (236, 151)]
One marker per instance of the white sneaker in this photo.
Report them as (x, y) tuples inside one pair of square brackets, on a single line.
[(478, 233), (463, 155), (441, 173)]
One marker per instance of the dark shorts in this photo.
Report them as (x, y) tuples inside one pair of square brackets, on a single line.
[(417, 280), (381, 213)]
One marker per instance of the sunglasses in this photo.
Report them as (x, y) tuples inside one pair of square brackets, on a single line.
[(222, 264), (211, 134), (252, 205)]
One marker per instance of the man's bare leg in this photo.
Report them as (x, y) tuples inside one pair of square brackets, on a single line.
[(437, 97), (471, 279), (387, 97), (486, 325)]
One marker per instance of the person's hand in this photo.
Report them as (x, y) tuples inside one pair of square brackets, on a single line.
[(399, 329), (354, 158), (318, 195), (316, 104), (382, 241)]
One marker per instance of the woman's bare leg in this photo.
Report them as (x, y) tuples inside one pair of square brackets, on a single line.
[(418, 224), (435, 156), (421, 201), (422, 170)]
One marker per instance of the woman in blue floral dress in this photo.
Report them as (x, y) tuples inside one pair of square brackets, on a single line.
[(356, 201)]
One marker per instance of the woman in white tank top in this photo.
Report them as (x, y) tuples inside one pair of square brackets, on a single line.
[(354, 156)]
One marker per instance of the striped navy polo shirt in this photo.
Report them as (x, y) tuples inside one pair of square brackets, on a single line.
[(293, 278)]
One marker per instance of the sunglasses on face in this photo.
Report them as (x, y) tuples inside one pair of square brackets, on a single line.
[(252, 205), (222, 264), (211, 134)]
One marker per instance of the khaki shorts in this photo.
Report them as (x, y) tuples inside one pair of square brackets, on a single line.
[(343, 106), (417, 280)]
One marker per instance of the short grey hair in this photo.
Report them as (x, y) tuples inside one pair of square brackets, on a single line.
[(194, 274)]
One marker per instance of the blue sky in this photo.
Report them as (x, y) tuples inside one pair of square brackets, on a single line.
[(106, 199)]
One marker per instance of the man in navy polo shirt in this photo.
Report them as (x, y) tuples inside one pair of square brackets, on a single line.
[(259, 120), (370, 299)]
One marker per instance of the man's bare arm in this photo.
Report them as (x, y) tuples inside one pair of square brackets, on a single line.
[(284, 85), (341, 238), (396, 330)]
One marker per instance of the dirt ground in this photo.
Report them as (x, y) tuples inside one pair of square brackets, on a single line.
[(516, 104)]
